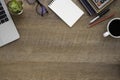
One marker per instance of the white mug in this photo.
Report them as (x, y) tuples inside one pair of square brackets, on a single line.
[(108, 31)]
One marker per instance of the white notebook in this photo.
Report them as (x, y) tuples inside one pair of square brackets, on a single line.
[(68, 11)]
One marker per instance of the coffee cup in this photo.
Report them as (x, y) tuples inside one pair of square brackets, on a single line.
[(113, 28)]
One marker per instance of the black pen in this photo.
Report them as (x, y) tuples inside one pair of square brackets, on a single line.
[(100, 15)]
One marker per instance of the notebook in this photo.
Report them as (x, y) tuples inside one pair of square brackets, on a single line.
[(68, 11)]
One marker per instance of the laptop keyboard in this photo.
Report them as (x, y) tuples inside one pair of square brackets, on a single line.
[(3, 16)]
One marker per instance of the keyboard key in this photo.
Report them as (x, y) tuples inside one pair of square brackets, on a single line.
[(0, 3), (6, 19), (2, 16), (2, 21), (1, 8), (2, 12)]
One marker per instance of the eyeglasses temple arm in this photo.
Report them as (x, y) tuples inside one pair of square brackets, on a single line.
[(39, 3)]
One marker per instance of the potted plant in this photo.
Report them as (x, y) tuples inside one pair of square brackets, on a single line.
[(15, 7)]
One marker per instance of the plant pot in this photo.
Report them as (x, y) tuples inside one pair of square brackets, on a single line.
[(15, 7)]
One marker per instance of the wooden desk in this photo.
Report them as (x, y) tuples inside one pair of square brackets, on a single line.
[(49, 50)]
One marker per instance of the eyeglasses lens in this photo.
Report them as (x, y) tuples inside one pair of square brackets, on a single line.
[(31, 1), (41, 10)]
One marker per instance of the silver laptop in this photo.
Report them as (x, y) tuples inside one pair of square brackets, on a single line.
[(8, 31)]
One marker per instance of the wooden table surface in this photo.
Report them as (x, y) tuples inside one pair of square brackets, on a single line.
[(49, 50)]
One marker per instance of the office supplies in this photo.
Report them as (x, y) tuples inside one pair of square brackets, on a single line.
[(100, 15), (66, 10), (98, 10), (8, 31), (88, 7), (101, 20), (40, 8)]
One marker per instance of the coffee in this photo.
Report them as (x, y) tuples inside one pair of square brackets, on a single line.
[(114, 27)]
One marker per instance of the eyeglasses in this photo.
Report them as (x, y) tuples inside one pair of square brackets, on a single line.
[(40, 8)]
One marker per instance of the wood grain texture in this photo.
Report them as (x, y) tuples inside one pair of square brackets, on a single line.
[(49, 50)]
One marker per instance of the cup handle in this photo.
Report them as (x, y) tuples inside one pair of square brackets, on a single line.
[(106, 34)]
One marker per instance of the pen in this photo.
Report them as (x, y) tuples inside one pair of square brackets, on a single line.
[(101, 20), (99, 15)]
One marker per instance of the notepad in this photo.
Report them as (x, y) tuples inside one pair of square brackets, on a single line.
[(67, 10)]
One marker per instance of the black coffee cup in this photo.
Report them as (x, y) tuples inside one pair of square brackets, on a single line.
[(113, 28)]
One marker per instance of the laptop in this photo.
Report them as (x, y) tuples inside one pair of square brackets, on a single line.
[(8, 31)]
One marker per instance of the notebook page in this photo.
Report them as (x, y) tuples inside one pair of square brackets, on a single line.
[(66, 10)]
